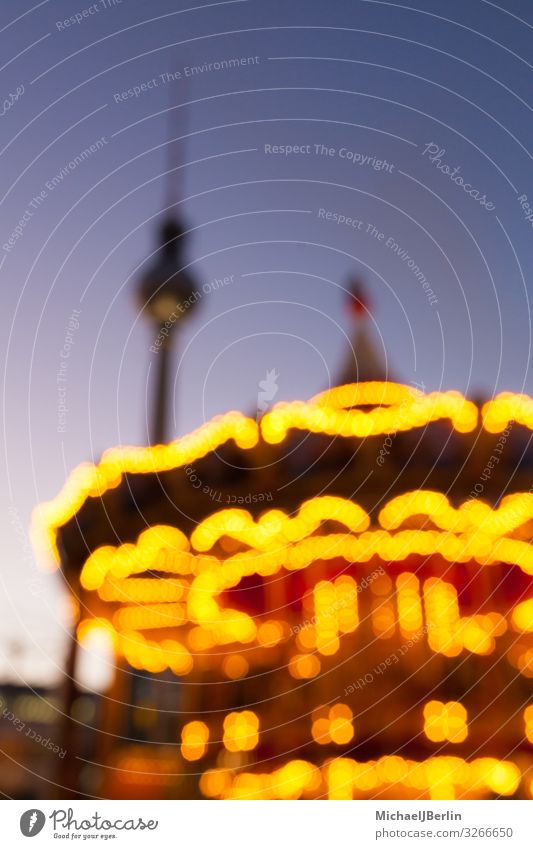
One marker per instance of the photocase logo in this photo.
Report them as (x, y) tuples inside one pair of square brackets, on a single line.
[(268, 391), (32, 822)]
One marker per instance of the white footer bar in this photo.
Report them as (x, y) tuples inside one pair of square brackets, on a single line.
[(269, 825)]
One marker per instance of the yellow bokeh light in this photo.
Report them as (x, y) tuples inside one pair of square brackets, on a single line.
[(194, 738), (528, 723), (438, 778), (304, 666), (333, 725), (409, 603), (241, 731), (445, 721), (235, 666), (270, 633), (522, 616)]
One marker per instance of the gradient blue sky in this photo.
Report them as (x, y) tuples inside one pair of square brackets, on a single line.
[(381, 79)]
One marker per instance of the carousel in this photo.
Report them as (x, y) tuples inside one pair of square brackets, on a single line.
[(332, 600)]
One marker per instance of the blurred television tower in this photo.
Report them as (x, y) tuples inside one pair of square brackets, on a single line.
[(166, 291)]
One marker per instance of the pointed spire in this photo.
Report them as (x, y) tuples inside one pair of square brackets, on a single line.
[(166, 290), (363, 361)]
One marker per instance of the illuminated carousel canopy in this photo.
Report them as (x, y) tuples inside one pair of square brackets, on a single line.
[(367, 549)]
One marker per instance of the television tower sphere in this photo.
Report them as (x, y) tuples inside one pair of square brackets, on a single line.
[(165, 285), (167, 294)]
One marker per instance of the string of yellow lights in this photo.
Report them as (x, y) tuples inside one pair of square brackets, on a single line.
[(443, 777)]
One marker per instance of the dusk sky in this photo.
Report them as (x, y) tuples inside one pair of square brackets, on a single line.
[(411, 120)]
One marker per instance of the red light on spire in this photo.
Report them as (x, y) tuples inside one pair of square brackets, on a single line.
[(358, 302)]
